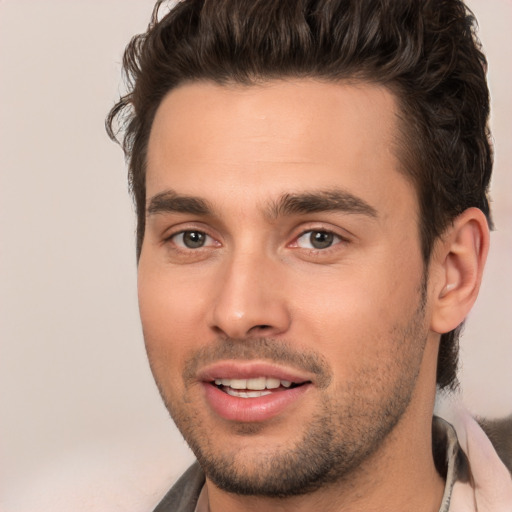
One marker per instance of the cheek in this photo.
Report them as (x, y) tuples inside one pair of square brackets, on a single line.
[(165, 312), (358, 297), (169, 303), (161, 325), (359, 316)]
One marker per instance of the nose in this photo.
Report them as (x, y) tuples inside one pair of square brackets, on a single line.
[(250, 300)]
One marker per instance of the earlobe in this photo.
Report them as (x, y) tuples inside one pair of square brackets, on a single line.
[(460, 259)]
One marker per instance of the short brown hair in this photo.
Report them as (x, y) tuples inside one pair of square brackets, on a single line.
[(425, 51)]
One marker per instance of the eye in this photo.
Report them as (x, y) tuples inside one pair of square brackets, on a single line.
[(192, 239), (317, 239)]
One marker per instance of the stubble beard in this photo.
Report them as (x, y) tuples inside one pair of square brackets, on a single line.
[(349, 427)]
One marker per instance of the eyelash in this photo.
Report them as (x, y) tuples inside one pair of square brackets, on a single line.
[(182, 247), (336, 239)]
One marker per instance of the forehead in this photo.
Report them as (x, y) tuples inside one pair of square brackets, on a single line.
[(277, 137)]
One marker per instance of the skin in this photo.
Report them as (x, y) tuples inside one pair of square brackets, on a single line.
[(361, 307)]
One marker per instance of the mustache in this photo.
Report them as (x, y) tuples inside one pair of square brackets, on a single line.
[(280, 352)]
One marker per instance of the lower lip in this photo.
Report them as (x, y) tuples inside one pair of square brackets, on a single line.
[(262, 408)]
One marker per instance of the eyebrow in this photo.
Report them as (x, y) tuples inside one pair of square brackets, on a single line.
[(172, 202), (321, 201)]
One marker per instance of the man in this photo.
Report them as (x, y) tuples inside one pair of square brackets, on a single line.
[(311, 188)]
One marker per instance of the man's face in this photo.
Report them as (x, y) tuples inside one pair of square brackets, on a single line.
[(281, 283)]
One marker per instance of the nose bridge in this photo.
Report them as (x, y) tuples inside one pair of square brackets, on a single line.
[(249, 300)]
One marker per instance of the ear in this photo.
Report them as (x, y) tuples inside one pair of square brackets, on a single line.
[(456, 269)]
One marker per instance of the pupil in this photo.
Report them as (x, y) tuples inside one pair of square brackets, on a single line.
[(193, 239), (321, 239)]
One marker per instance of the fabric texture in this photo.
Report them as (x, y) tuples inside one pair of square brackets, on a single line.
[(184, 494), (488, 487), (476, 478)]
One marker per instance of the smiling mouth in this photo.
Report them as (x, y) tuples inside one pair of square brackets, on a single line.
[(255, 387)]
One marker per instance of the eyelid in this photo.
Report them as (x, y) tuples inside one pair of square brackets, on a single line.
[(335, 241), (182, 245), (182, 228), (343, 236)]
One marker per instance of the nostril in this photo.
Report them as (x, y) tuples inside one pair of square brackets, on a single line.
[(259, 329), (262, 327)]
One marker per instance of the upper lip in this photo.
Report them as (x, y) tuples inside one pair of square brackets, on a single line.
[(250, 370)]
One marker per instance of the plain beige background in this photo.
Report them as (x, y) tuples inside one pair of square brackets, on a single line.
[(82, 426)]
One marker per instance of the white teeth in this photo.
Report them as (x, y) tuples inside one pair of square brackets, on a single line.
[(254, 384), (273, 383), (246, 394), (259, 383), (238, 383)]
